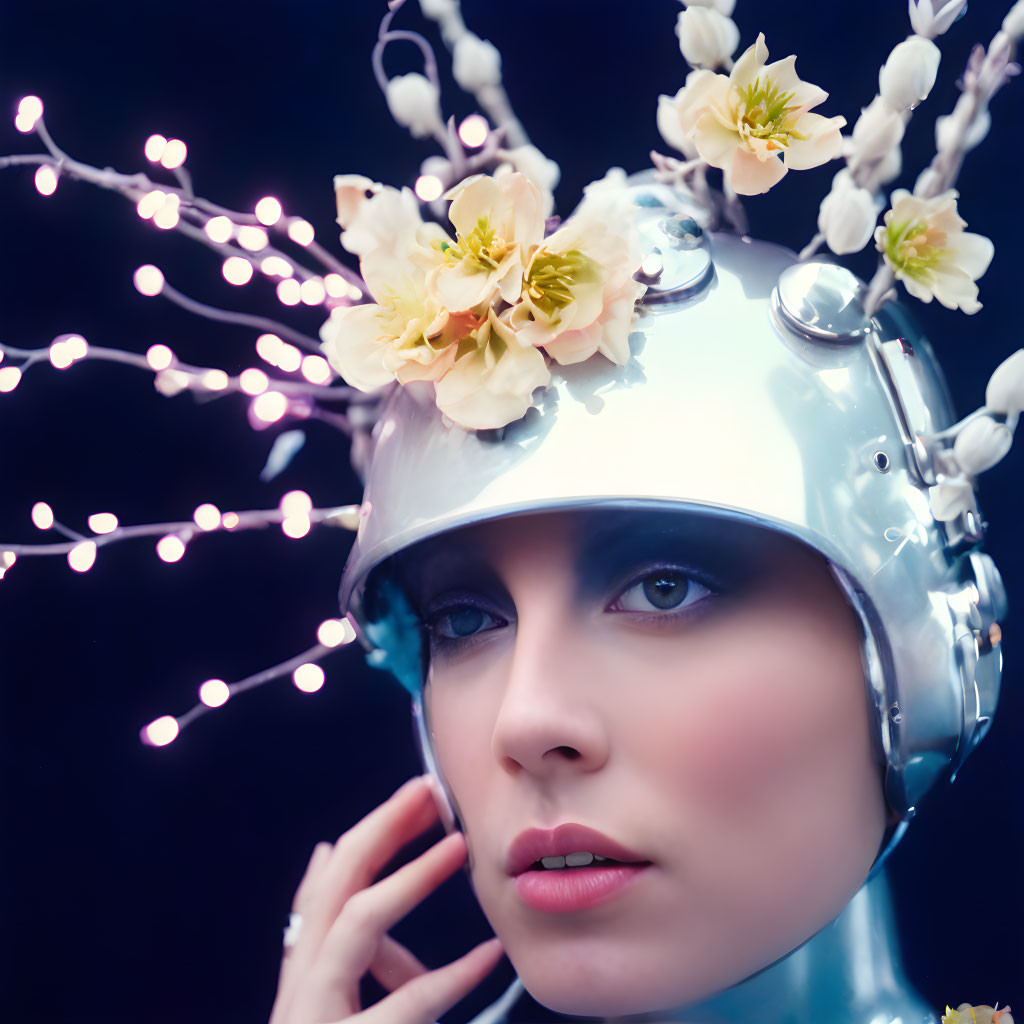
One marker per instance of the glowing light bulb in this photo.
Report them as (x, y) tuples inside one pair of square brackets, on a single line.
[(206, 516), (103, 522), (276, 266), (336, 286), (42, 516), (160, 732), (159, 357), (154, 148), (289, 358), (312, 291), (148, 280), (148, 205), (308, 678), (428, 187), (7, 559), (316, 369), (30, 109), (237, 270), (46, 180), (268, 346), (166, 218), (474, 131), (170, 548), (230, 520), (289, 292), (174, 154), (253, 381), (218, 229), (10, 377), (214, 693), (214, 380), (59, 355), (335, 632), (296, 503), (77, 346), (268, 211), (252, 238), (300, 231), (82, 556), (295, 527), (270, 406)]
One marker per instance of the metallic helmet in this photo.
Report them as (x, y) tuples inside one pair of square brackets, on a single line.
[(757, 390)]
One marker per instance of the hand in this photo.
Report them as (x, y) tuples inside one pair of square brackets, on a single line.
[(346, 916)]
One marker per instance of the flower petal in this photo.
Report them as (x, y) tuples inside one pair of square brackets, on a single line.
[(352, 338), (823, 143), (750, 176)]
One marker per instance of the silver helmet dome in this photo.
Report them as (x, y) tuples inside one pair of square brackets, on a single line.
[(757, 390)]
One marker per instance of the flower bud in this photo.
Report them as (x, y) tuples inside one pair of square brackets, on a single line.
[(725, 7), (949, 128), (908, 75), (706, 38), (437, 10), (1005, 391), (544, 173), (931, 18), (476, 63), (350, 194), (981, 444), (949, 499), (1013, 23), (847, 216), (878, 130), (414, 103)]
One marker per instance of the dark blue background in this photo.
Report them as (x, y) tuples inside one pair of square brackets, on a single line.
[(151, 885)]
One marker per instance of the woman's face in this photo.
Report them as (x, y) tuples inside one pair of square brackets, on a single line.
[(693, 696)]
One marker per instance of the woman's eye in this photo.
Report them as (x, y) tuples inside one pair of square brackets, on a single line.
[(662, 591), (461, 621)]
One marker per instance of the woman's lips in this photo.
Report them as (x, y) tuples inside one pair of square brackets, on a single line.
[(560, 890)]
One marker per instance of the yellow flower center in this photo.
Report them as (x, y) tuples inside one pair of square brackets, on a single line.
[(764, 112), (482, 245), (913, 247), (552, 276)]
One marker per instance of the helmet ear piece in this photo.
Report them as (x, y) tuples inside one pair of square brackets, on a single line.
[(425, 743)]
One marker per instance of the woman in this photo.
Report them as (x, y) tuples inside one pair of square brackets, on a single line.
[(689, 615)]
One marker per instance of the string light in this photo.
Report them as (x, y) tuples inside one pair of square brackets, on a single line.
[(60, 356), (268, 346), (46, 180), (316, 369), (154, 148), (301, 231), (206, 516), (308, 678), (335, 632), (214, 380), (159, 357), (268, 211), (10, 377), (160, 732), (270, 406), (296, 503), (295, 527), (102, 522), (277, 266), (7, 559), (82, 556), (336, 285), (170, 548), (312, 291), (237, 270), (174, 154), (289, 358), (214, 693), (253, 381), (289, 292), (147, 206), (230, 520), (42, 516), (252, 238), (148, 280), (30, 109), (474, 131), (167, 216), (77, 346), (428, 187), (219, 229)]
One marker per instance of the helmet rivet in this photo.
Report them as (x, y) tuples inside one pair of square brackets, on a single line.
[(895, 715), (651, 268), (881, 461)]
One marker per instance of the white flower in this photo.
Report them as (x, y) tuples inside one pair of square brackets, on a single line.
[(755, 124), (437, 10), (981, 444), (931, 18), (706, 38), (924, 242), (725, 7), (847, 216), (496, 220), (1013, 23), (350, 192), (1005, 391), (950, 499), (492, 381), (669, 125), (415, 104), (908, 75), (476, 63), (529, 160), (878, 130)]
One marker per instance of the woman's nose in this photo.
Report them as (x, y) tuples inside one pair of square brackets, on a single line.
[(550, 720)]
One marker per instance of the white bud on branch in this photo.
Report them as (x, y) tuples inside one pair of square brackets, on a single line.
[(909, 73), (415, 104), (981, 444), (931, 18), (1005, 391), (476, 63), (847, 216), (707, 38)]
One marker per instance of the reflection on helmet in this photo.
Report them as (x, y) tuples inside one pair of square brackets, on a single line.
[(757, 390)]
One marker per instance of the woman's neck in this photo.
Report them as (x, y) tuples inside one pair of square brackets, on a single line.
[(849, 973)]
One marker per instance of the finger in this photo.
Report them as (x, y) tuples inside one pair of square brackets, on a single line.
[(424, 999), (331, 987), (394, 966)]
